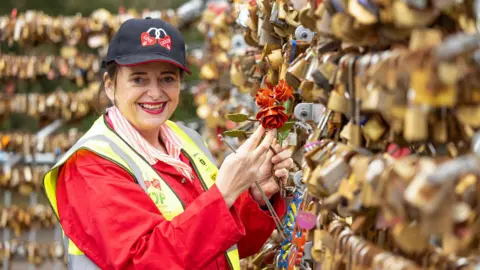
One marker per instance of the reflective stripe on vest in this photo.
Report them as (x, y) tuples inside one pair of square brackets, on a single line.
[(103, 141)]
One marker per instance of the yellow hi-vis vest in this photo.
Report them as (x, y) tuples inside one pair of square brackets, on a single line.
[(104, 141)]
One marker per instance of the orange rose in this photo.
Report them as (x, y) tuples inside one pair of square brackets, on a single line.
[(272, 117), (264, 98), (283, 91)]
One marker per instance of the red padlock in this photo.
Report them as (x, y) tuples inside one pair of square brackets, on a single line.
[(165, 42), (147, 40)]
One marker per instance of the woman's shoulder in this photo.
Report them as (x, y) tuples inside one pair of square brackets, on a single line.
[(84, 157), (85, 163)]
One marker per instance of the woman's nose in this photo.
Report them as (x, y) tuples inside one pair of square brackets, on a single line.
[(155, 91)]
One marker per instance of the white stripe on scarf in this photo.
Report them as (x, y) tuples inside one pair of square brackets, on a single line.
[(172, 143)]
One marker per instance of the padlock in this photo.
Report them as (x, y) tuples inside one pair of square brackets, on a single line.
[(317, 153), (377, 100), (278, 12), (374, 129), (416, 125), (324, 74), (332, 173), (236, 75), (275, 59), (305, 34), (309, 112), (425, 38), (296, 72), (468, 115), (307, 18), (298, 179), (406, 17), (364, 12), (410, 238), (338, 103), (323, 242), (292, 18), (239, 46)]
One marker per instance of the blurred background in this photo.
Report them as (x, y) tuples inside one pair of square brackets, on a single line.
[(85, 8), (50, 52)]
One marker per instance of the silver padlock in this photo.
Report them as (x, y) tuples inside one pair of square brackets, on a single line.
[(303, 33), (307, 253), (309, 112), (239, 46), (297, 179)]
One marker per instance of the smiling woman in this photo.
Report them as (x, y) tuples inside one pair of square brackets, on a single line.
[(135, 92), (139, 191)]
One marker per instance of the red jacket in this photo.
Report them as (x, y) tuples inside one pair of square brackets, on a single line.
[(116, 224)]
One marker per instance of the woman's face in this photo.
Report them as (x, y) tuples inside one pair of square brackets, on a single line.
[(146, 94)]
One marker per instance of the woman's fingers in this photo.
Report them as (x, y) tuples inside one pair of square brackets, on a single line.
[(276, 146), (252, 141), (267, 160), (282, 173), (265, 144), (285, 164), (281, 156)]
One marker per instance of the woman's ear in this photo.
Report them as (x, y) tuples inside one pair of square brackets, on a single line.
[(109, 86)]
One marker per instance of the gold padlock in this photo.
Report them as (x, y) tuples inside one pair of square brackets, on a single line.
[(338, 103), (275, 59), (374, 129), (296, 72), (323, 242), (306, 17), (361, 14), (406, 17), (425, 38), (416, 124)]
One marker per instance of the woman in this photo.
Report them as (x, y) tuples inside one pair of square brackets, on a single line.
[(140, 192)]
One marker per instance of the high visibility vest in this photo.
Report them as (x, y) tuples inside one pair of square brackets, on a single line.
[(105, 142)]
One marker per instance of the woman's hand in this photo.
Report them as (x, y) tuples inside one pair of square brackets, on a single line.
[(240, 170), (280, 164)]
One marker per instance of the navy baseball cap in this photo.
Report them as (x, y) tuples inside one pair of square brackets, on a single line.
[(141, 41)]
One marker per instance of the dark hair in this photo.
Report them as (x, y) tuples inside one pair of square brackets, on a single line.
[(112, 71), (102, 100)]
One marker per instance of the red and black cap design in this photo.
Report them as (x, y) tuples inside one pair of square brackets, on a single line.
[(140, 41)]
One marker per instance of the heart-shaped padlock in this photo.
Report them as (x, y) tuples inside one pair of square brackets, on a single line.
[(147, 40), (165, 42)]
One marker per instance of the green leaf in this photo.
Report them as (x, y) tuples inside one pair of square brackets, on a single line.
[(235, 133), (238, 117), (286, 127), (287, 104), (281, 136)]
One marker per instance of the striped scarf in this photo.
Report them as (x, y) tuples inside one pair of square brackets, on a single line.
[(172, 143)]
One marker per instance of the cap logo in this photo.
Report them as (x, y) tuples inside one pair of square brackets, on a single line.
[(148, 40)]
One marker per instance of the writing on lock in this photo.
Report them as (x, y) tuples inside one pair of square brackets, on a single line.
[(148, 40)]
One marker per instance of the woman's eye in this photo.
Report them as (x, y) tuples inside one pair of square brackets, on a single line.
[(138, 80), (169, 79)]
